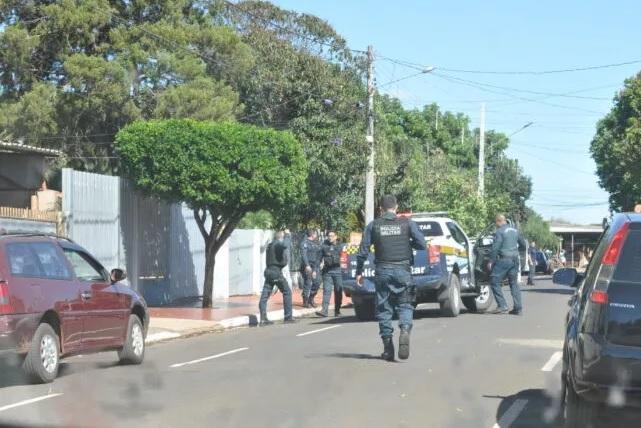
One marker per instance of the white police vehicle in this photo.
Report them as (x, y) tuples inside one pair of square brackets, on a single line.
[(444, 273)]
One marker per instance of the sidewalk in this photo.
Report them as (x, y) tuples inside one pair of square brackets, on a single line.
[(168, 323)]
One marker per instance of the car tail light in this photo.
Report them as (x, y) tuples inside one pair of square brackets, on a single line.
[(600, 293), (344, 258), (599, 297), (611, 255), (5, 307), (434, 254)]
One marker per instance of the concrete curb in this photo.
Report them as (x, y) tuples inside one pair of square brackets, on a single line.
[(229, 323)]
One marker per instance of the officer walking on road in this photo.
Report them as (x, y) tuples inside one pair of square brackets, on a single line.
[(310, 253), (393, 239), (277, 255), (332, 274), (508, 242), (531, 258)]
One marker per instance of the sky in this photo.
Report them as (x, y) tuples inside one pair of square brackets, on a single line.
[(505, 36)]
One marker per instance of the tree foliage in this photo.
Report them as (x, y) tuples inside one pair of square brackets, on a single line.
[(538, 230), (616, 148), (74, 72), (221, 170)]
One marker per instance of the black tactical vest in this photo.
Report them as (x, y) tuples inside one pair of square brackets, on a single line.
[(391, 239), (276, 254)]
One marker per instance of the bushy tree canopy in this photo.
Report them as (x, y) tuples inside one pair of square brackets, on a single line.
[(221, 170), (616, 148)]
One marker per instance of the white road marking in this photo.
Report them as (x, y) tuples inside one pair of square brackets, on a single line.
[(534, 343), (31, 401), (552, 362), (508, 418), (212, 357), (317, 331)]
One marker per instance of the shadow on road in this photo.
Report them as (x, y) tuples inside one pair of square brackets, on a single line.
[(540, 411), (354, 356), (11, 374), (565, 291)]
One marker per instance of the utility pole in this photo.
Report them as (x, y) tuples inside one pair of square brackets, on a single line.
[(462, 135), (482, 152), (370, 178)]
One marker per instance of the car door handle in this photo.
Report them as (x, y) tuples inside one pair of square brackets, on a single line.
[(86, 295)]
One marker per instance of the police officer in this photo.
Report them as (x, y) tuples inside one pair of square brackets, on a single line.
[(393, 239), (277, 259), (508, 242), (332, 274), (531, 258), (310, 253)]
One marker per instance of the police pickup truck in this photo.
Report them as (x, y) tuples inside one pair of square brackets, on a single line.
[(444, 273)]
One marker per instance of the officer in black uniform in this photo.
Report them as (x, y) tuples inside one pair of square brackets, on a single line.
[(332, 274), (393, 239), (277, 259), (310, 253)]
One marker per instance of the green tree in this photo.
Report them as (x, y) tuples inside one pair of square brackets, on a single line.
[(538, 230), (616, 147), (73, 72), (308, 81), (221, 170)]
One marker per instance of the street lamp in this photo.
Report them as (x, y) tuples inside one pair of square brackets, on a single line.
[(527, 125)]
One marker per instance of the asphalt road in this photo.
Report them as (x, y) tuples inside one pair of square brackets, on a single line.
[(470, 371)]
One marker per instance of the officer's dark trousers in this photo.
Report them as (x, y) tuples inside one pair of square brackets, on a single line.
[(502, 268), (332, 280), (312, 283), (394, 292), (274, 277)]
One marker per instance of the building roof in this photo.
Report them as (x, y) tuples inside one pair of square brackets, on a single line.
[(575, 228), (6, 146)]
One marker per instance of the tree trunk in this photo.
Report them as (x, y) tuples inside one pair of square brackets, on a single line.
[(208, 287)]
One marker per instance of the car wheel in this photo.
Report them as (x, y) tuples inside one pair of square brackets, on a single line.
[(43, 359), (579, 413), (482, 302), (133, 352), (451, 304), (365, 310)]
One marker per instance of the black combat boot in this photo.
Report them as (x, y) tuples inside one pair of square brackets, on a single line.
[(404, 344), (305, 301), (311, 300), (388, 349)]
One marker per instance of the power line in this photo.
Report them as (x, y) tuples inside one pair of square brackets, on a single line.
[(517, 72), (456, 80)]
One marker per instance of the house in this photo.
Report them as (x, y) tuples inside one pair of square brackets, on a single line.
[(23, 169), (578, 241)]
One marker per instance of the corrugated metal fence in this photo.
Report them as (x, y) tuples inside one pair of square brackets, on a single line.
[(158, 243)]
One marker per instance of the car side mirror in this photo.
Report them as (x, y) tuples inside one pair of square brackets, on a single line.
[(117, 275), (567, 276)]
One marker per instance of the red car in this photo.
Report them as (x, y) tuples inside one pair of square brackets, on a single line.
[(56, 300)]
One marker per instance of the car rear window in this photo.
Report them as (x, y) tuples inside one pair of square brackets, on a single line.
[(36, 260), (430, 228), (629, 266)]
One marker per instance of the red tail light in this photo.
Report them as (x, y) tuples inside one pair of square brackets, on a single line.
[(434, 254), (614, 249), (599, 297), (344, 258), (5, 307)]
